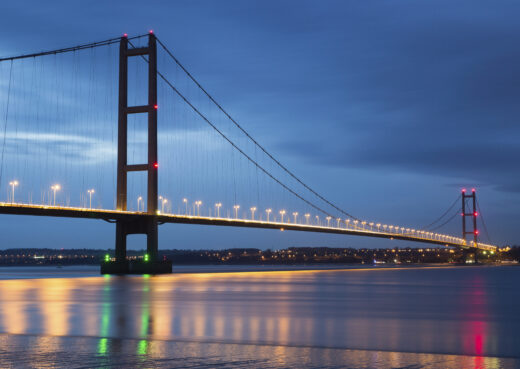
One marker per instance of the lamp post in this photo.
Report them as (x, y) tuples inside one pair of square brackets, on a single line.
[(185, 201), (55, 188), (13, 184), (218, 205), (164, 201), (236, 207), (253, 209), (338, 220), (307, 216), (198, 203), (282, 213), (90, 192), (139, 199), (268, 211), (295, 215), (318, 220)]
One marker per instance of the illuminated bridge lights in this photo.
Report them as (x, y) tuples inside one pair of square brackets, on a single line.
[(339, 226), (413, 235)]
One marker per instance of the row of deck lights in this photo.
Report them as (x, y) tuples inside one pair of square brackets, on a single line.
[(349, 224), (54, 188)]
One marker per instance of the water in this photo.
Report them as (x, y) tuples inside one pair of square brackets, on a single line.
[(448, 317)]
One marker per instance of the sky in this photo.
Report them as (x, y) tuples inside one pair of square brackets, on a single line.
[(386, 108)]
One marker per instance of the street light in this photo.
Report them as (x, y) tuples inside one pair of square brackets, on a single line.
[(318, 220), (307, 216), (253, 209), (139, 199), (236, 207), (338, 220), (282, 213), (218, 205), (328, 221), (268, 211), (347, 221), (164, 201), (13, 184), (185, 201), (55, 188), (198, 203), (90, 192), (295, 215)]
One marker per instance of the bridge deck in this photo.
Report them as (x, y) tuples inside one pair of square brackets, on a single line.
[(114, 215)]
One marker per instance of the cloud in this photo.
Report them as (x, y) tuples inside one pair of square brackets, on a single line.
[(60, 146)]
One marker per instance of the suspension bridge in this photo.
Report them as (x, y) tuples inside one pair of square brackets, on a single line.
[(74, 117)]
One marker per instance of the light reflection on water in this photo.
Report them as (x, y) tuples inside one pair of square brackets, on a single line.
[(286, 317)]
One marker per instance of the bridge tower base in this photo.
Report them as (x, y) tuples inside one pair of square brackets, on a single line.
[(470, 256)]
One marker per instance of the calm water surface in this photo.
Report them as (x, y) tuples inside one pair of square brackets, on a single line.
[(447, 317)]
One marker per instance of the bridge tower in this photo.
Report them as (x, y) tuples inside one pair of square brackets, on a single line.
[(472, 213), (142, 223)]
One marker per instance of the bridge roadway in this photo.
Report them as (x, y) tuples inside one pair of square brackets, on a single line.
[(113, 215)]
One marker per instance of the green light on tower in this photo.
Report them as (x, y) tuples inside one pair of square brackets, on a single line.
[(146, 257), (107, 258)]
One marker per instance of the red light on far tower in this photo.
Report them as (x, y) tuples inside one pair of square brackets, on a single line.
[(151, 32), (472, 190), (125, 35), (476, 232), (156, 165), (463, 190), (155, 106), (475, 214)]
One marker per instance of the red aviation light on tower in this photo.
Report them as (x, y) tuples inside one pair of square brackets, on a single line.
[(156, 106), (463, 190), (475, 214), (125, 35), (156, 165), (473, 190), (476, 232), (150, 31)]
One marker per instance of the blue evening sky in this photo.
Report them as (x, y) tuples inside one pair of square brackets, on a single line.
[(388, 108)]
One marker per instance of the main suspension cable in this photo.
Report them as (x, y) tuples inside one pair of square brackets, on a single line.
[(68, 49), (444, 214), (447, 221), (483, 223), (284, 168), (232, 143)]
